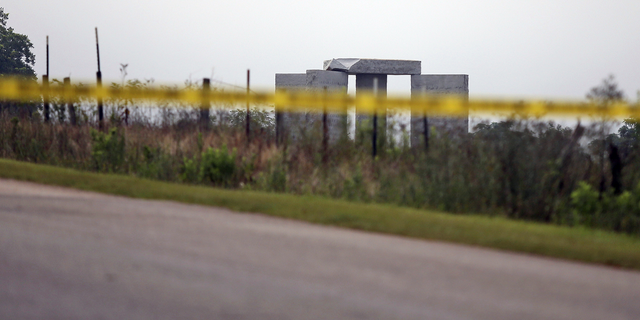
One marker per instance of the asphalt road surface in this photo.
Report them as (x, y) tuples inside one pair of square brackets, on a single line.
[(67, 254)]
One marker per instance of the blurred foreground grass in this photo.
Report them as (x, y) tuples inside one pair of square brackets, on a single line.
[(578, 243)]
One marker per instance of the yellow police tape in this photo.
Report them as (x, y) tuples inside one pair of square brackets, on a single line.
[(314, 101)]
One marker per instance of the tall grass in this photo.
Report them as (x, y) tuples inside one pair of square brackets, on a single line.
[(521, 169)]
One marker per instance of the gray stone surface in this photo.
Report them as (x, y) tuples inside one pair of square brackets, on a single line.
[(333, 81), (373, 66), (308, 125), (335, 77), (441, 83), (290, 81), (445, 84), (364, 83), (284, 120)]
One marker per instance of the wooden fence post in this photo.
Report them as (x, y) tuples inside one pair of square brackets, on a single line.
[(45, 97), (248, 117), (279, 133), (425, 122), (325, 130), (204, 109), (45, 87)]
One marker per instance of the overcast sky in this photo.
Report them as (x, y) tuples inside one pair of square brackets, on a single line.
[(542, 49)]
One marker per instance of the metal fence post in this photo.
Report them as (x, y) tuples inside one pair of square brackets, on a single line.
[(248, 117), (99, 84), (204, 109), (375, 119)]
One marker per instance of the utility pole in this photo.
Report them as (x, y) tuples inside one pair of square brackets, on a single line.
[(45, 87), (99, 84)]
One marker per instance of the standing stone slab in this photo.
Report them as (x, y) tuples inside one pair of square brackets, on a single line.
[(364, 84), (289, 81), (365, 71), (285, 120), (332, 81), (373, 66), (296, 125), (445, 84)]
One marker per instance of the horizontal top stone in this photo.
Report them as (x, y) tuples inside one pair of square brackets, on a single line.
[(319, 79), (373, 66)]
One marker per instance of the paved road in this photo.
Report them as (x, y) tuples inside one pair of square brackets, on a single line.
[(66, 254)]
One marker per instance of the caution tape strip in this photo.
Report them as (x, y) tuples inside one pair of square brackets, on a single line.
[(316, 101)]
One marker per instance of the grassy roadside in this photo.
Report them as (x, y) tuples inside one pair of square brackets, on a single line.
[(548, 240)]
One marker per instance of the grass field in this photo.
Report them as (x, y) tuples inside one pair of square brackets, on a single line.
[(548, 240)]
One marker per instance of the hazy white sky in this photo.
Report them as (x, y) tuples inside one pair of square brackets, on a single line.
[(545, 49)]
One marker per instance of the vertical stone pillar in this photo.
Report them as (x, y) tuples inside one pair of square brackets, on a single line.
[(334, 82), (284, 120), (446, 84), (365, 71), (364, 84)]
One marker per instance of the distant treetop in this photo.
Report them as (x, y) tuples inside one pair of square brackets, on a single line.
[(606, 92)]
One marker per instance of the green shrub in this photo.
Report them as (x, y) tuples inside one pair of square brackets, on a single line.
[(278, 179), (354, 187), (218, 166), (156, 165), (248, 168), (618, 213), (586, 204), (189, 170), (107, 152)]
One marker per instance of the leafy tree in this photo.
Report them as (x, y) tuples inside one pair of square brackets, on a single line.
[(630, 129), (628, 143), (607, 92), (262, 121), (16, 57), (604, 95)]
